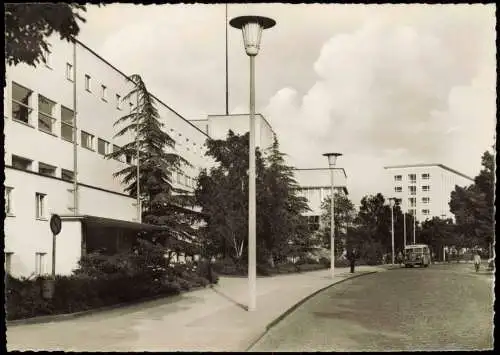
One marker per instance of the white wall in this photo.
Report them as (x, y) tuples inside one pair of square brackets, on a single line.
[(103, 195), (219, 125), (315, 185), (68, 247), (442, 182)]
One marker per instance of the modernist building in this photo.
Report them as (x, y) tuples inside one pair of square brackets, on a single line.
[(48, 172), (217, 127), (75, 90), (425, 189), (315, 186)]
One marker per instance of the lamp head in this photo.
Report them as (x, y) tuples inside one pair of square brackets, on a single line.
[(252, 27), (332, 158)]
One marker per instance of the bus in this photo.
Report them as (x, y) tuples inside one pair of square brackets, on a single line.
[(417, 254)]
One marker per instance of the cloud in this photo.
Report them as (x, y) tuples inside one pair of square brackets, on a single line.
[(389, 93)]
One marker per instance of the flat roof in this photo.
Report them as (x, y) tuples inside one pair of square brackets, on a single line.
[(345, 175), (431, 164), (243, 114)]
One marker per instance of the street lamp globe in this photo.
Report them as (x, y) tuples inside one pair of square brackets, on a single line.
[(252, 27), (392, 202), (332, 158)]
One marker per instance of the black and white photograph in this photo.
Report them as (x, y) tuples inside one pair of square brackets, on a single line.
[(249, 177)]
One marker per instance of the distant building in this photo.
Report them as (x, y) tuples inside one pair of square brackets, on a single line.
[(425, 189), (217, 127), (315, 186)]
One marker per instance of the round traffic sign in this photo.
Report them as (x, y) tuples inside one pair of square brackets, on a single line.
[(55, 224)]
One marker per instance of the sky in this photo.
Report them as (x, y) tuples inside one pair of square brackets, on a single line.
[(381, 84)]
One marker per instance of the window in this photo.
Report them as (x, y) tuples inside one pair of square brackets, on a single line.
[(426, 188), (412, 201), (69, 71), (88, 82), (40, 263), (21, 100), (102, 146), (87, 140), (21, 163), (8, 262), (425, 212), (46, 169), (426, 176), (103, 92), (128, 158), (179, 175), (67, 175), (313, 223), (426, 200), (131, 106), (398, 177), (398, 189), (412, 212), (118, 102), (117, 148), (412, 178), (40, 205), (412, 190), (67, 117), (8, 201), (45, 114)]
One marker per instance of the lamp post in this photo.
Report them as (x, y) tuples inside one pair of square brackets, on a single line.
[(332, 160), (252, 27), (391, 203)]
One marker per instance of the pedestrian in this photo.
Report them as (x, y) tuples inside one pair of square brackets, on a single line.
[(477, 260), (400, 258), (351, 255)]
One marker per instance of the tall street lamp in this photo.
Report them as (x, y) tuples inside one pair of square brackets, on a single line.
[(392, 201), (252, 27), (332, 160)]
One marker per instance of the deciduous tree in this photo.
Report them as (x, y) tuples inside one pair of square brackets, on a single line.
[(28, 25)]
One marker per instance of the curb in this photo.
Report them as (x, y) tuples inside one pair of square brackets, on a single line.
[(298, 304), (67, 316)]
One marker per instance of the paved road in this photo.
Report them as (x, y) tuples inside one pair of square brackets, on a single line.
[(443, 307)]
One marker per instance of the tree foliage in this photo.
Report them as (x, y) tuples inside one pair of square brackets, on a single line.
[(161, 202), (28, 25), (222, 193), (345, 214), (473, 206)]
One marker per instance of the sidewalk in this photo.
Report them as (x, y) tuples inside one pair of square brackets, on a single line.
[(211, 319)]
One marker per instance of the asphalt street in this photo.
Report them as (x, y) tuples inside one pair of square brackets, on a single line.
[(443, 307)]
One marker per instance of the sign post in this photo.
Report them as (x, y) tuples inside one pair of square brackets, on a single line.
[(55, 227), (48, 285)]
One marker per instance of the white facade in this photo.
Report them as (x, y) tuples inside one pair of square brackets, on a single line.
[(425, 189), (315, 186), (39, 157), (217, 127)]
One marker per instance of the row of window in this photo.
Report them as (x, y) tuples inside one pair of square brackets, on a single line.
[(424, 211), (40, 203), (67, 175), (39, 263), (412, 201), (413, 189), (412, 177), (22, 111)]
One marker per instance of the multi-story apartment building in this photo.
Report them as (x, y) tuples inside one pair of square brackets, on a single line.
[(315, 186), (425, 189), (75, 90)]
